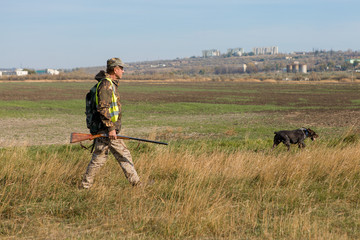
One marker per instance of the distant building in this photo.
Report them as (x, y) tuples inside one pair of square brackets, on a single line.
[(21, 72), (211, 53), (351, 61), (235, 51), (14, 72), (266, 50), (299, 53), (303, 68), (244, 66), (158, 65), (296, 67), (48, 71)]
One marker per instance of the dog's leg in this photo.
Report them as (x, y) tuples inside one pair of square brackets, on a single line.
[(302, 145), (287, 142), (276, 141), (288, 146)]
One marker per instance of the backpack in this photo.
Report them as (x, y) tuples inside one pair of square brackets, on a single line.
[(93, 121)]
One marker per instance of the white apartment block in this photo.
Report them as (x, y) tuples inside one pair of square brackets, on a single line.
[(266, 50), (235, 51), (211, 53)]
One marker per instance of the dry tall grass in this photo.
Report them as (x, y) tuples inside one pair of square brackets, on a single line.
[(309, 194)]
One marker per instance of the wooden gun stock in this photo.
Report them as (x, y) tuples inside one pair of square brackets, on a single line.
[(79, 137)]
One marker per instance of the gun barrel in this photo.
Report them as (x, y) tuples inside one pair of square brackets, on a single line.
[(140, 139)]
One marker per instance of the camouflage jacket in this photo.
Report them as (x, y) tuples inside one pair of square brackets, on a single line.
[(104, 98)]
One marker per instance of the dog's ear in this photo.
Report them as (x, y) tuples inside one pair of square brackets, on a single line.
[(310, 130), (312, 133)]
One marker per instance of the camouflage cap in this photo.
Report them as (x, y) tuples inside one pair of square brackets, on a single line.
[(113, 62)]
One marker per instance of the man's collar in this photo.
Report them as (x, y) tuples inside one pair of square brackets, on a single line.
[(115, 81)]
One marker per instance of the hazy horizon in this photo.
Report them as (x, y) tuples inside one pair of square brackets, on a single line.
[(70, 34)]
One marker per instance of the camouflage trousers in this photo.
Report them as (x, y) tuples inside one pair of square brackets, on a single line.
[(101, 151)]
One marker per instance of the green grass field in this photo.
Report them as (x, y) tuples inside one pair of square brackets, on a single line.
[(217, 179), (254, 110)]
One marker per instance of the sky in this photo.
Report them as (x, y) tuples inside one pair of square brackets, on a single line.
[(85, 33)]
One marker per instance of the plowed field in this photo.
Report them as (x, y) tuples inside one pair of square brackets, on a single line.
[(239, 107)]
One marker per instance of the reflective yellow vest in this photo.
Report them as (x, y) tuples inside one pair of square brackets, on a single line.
[(114, 108)]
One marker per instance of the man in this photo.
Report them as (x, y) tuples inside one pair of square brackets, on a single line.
[(109, 112)]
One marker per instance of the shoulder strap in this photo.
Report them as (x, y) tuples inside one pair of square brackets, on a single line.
[(96, 95)]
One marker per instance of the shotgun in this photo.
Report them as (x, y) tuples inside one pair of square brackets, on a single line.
[(78, 137)]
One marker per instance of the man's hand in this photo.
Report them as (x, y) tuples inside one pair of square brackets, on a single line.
[(112, 135)]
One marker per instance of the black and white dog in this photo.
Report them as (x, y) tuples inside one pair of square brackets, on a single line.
[(294, 137)]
